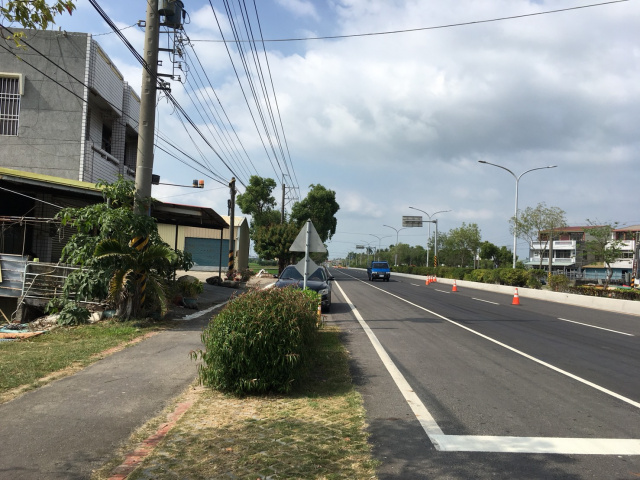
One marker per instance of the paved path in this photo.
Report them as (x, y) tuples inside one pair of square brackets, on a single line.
[(66, 429)]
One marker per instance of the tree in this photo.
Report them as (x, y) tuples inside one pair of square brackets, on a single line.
[(321, 207), (538, 225), (273, 242), (258, 202), (33, 14), (497, 256), (460, 245), (602, 245), (100, 245)]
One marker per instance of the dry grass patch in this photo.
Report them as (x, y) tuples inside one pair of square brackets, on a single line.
[(318, 432)]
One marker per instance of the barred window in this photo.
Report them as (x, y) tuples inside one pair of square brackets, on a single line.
[(10, 90)]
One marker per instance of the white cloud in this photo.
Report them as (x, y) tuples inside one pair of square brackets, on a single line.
[(300, 8)]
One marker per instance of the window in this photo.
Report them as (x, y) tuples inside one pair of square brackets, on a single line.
[(10, 91), (106, 138)]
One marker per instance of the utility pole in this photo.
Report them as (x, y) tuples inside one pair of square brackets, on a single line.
[(282, 212), (144, 159), (232, 220)]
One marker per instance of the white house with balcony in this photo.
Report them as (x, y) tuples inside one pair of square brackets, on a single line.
[(569, 254), (66, 110)]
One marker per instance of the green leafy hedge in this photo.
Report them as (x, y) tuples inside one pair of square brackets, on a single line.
[(260, 342), (499, 276)]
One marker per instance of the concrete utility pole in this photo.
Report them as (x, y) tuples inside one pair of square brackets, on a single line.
[(232, 220), (146, 127), (282, 211)]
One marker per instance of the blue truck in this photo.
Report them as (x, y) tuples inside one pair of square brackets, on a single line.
[(379, 270)]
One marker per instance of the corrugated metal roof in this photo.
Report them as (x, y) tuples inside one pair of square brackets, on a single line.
[(19, 176)]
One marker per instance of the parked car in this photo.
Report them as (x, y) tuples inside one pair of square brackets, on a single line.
[(320, 281)]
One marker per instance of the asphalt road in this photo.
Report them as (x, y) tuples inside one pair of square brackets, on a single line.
[(466, 385)]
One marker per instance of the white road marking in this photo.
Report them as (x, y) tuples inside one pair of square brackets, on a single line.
[(202, 312), (497, 444), (441, 291), (599, 328), (485, 301), (416, 285), (420, 411), (563, 446)]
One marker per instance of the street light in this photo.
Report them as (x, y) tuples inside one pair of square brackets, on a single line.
[(379, 238), (368, 248), (397, 232), (515, 215), (435, 244)]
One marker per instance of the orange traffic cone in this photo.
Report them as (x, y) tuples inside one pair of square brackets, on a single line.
[(455, 287), (435, 279), (516, 299), (426, 281)]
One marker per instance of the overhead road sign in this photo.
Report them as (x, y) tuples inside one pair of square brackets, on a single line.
[(411, 221)]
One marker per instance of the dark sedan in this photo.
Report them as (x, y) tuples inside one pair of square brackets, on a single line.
[(320, 281)]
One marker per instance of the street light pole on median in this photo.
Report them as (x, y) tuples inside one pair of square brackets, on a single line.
[(379, 239), (515, 215), (397, 232), (429, 234)]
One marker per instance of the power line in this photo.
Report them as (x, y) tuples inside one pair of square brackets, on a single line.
[(169, 96), (409, 30), (80, 97), (244, 94)]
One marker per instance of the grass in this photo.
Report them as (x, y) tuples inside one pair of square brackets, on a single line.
[(29, 363), (317, 432), (256, 268)]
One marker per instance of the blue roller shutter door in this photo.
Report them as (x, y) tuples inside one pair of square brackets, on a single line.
[(206, 251)]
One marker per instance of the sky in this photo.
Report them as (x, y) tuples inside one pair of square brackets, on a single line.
[(402, 119)]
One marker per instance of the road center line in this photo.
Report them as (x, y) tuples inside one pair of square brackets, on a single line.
[(599, 328), (485, 301)]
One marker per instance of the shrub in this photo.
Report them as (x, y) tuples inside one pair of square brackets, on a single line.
[(189, 287), (558, 283), (259, 342), (513, 277), (73, 314)]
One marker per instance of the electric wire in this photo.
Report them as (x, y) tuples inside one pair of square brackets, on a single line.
[(244, 94), (419, 29), (80, 82), (155, 77), (220, 120), (261, 79), (274, 93), (249, 76)]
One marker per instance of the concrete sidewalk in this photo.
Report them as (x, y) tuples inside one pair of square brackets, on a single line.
[(70, 427)]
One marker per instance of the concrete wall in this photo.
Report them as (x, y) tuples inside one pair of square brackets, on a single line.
[(60, 133), (49, 137)]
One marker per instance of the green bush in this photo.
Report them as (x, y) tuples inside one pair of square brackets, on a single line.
[(73, 314), (189, 288), (260, 342), (558, 283), (513, 277)]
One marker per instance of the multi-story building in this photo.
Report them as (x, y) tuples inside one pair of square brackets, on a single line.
[(570, 255), (66, 110)]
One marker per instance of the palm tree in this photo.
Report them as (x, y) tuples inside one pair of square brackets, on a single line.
[(137, 284)]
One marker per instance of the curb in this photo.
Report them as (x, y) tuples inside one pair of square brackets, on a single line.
[(134, 458)]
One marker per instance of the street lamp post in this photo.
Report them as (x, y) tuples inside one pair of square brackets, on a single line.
[(379, 239), (368, 248), (515, 215), (435, 245), (397, 232)]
